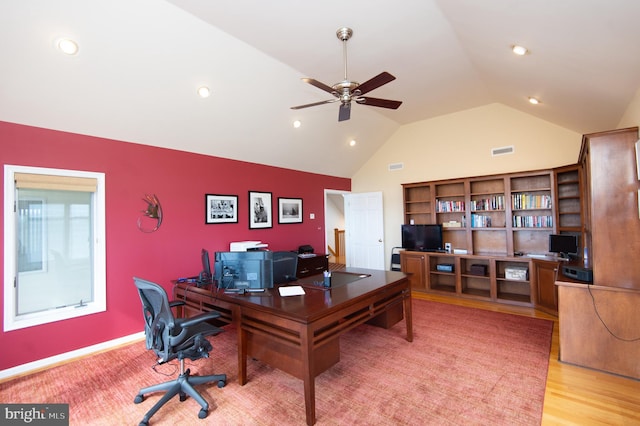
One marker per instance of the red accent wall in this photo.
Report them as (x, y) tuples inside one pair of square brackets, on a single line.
[(180, 180)]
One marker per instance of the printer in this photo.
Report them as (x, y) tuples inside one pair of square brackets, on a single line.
[(247, 246)]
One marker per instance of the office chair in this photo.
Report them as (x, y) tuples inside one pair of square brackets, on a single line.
[(285, 266), (173, 338)]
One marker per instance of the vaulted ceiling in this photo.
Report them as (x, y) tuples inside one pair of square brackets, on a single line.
[(141, 62)]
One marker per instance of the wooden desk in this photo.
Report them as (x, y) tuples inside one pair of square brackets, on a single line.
[(300, 334)]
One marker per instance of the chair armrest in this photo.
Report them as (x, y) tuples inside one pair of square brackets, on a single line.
[(205, 316), (174, 303)]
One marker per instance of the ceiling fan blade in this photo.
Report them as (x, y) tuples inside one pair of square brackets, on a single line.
[(314, 104), (319, 85), (345, 112), (383, 103), (377, 81)]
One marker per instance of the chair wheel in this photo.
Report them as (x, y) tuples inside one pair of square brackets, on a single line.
[(183, 396), (138, 399), (221, 383), (203, 413)]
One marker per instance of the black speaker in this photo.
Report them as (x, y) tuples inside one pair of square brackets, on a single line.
[(578, 273)]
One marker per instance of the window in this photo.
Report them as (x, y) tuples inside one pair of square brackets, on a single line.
[(54, 245)]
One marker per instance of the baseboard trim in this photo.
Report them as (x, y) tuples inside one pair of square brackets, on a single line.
[(41, 364)]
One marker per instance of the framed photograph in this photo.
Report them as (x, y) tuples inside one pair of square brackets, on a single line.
[(221, 208), (289, 210), (260, 211)]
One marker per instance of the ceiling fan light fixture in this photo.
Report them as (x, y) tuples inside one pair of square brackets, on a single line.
[(519, 50), (297, 124)]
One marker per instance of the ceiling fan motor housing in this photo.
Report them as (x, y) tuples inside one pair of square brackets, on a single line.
[(347, 90)]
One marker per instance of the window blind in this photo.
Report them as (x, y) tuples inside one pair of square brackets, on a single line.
[(60, 183)]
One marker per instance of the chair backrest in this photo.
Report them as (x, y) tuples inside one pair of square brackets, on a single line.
[(159, 321), (285, 266)]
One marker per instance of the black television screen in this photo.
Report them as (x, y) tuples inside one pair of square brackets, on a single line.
[(422, 237), (244, 269), (564, 244)]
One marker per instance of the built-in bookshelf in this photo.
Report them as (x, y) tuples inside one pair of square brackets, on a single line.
[(496, 215)]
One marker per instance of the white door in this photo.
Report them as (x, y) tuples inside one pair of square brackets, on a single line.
[(364, 230)]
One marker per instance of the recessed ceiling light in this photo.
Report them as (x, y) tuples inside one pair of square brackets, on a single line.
[(352, 142), (519, 50), (67, 46), (204, 92), (534, 101), (297, 124)]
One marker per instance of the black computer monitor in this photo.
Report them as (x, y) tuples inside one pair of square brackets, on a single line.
[(205, 276), (285, 265), (564, 244), (244, 269)]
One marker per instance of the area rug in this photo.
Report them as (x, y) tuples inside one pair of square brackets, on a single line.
[(465, 366)]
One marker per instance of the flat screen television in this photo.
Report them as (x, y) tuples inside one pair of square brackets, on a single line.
[(422, 237), (564, 244), (244, 269)]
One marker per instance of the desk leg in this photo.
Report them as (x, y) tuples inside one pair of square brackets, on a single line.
[(308, 376), (242, 347), (407, 315)]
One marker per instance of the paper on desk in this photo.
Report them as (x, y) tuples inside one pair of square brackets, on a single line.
[(291, 290)]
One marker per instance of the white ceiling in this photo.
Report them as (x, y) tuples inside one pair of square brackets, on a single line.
[(140, 63)]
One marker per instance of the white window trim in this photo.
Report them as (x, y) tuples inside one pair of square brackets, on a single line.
[(100, 282)]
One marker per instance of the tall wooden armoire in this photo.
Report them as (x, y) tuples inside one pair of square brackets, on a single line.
[(612, 212)]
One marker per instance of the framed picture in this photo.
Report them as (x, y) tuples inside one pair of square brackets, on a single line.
[(260, 211), (221, 208), (289, 210)]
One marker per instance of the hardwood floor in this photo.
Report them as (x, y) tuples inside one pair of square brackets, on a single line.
[(574, 395)]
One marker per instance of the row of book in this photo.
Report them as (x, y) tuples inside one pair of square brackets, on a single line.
[(521, 201), (480, 221), (530, 201), (495, 202), (443, 206), (532, 221)]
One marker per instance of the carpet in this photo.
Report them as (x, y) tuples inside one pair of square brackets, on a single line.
[(465, 366)]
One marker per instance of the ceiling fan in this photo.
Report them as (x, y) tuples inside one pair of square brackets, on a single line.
[(346, 90)]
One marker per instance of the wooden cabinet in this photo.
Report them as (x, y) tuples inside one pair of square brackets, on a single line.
[(497, 215), (611, 193), (470, 276), (544, 278), (312, 265), (412, 263)]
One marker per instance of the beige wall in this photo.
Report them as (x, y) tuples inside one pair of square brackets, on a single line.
[(631, 117), (459, 145)]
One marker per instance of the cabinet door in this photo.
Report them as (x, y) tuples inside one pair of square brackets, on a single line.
[(413, 264), (546, 291)]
